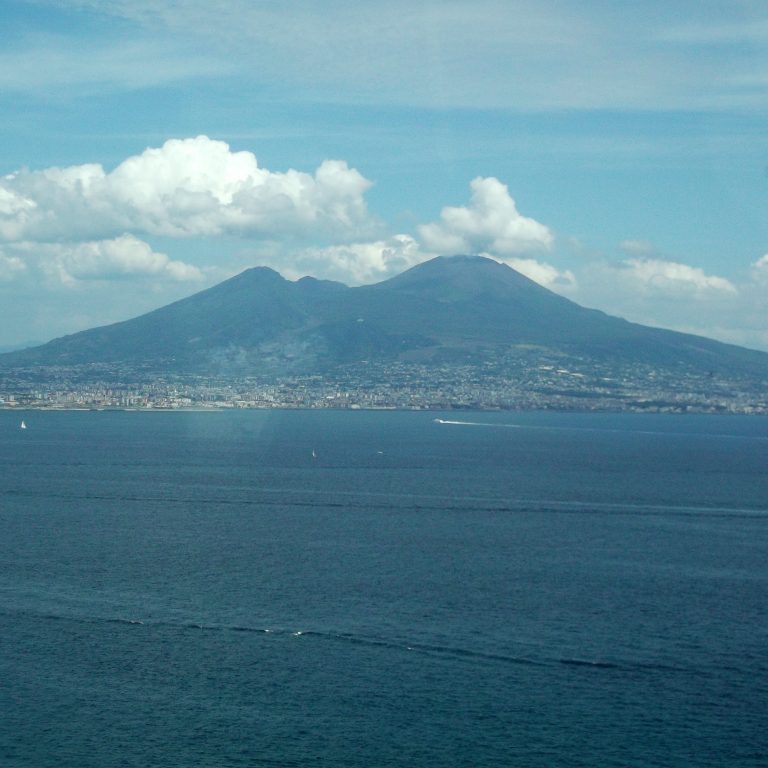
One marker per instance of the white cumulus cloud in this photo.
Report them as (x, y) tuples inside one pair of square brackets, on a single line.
[(656, 292), (490, 224), (562, 281), (353, 264), (187, 187), (670, 294), (669, 277), (122, 258)]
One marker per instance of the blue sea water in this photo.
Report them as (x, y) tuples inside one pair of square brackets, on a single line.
[(196, 589)]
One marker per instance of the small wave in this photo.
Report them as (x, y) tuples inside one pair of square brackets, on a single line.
[(190, 625), (442, 650), (627, 666), (587, 663), (270, 497), (124, 621), (254, 630)]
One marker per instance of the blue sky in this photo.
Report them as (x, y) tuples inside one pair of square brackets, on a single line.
[(615, 152)]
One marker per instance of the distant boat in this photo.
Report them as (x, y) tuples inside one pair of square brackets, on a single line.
[(22, 425), (314, 455)]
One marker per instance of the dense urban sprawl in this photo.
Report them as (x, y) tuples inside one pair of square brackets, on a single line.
[(546, 385)]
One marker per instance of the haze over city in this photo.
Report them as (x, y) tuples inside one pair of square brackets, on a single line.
[(613, 153)]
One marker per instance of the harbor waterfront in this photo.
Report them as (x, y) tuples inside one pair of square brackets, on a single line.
[(382, 588)]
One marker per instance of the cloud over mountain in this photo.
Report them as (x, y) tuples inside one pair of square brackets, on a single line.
[(561, 281), (124, 257), (490, 223), (187, 187), (672, 278), (151, 219), (119, 259), (355, 263)]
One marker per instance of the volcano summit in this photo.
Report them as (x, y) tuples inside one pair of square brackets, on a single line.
[(461, 330)]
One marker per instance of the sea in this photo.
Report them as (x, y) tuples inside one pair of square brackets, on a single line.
[(382, 588)]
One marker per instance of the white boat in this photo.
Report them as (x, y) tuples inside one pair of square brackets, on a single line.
[(22, 425)]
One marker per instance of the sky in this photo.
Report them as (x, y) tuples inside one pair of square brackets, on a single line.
[(616, 153)]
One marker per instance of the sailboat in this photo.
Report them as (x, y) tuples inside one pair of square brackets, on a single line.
[(22, 425)]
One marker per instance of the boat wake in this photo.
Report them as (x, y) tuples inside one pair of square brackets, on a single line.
[(457, 653), (457, 423), (605, 430)]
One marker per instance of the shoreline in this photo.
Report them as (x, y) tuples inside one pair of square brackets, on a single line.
[(683, 411)]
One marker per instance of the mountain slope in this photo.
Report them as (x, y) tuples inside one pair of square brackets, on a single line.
[(449, 309)]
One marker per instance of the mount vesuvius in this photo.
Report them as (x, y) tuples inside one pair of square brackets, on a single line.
[(460, 309)]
